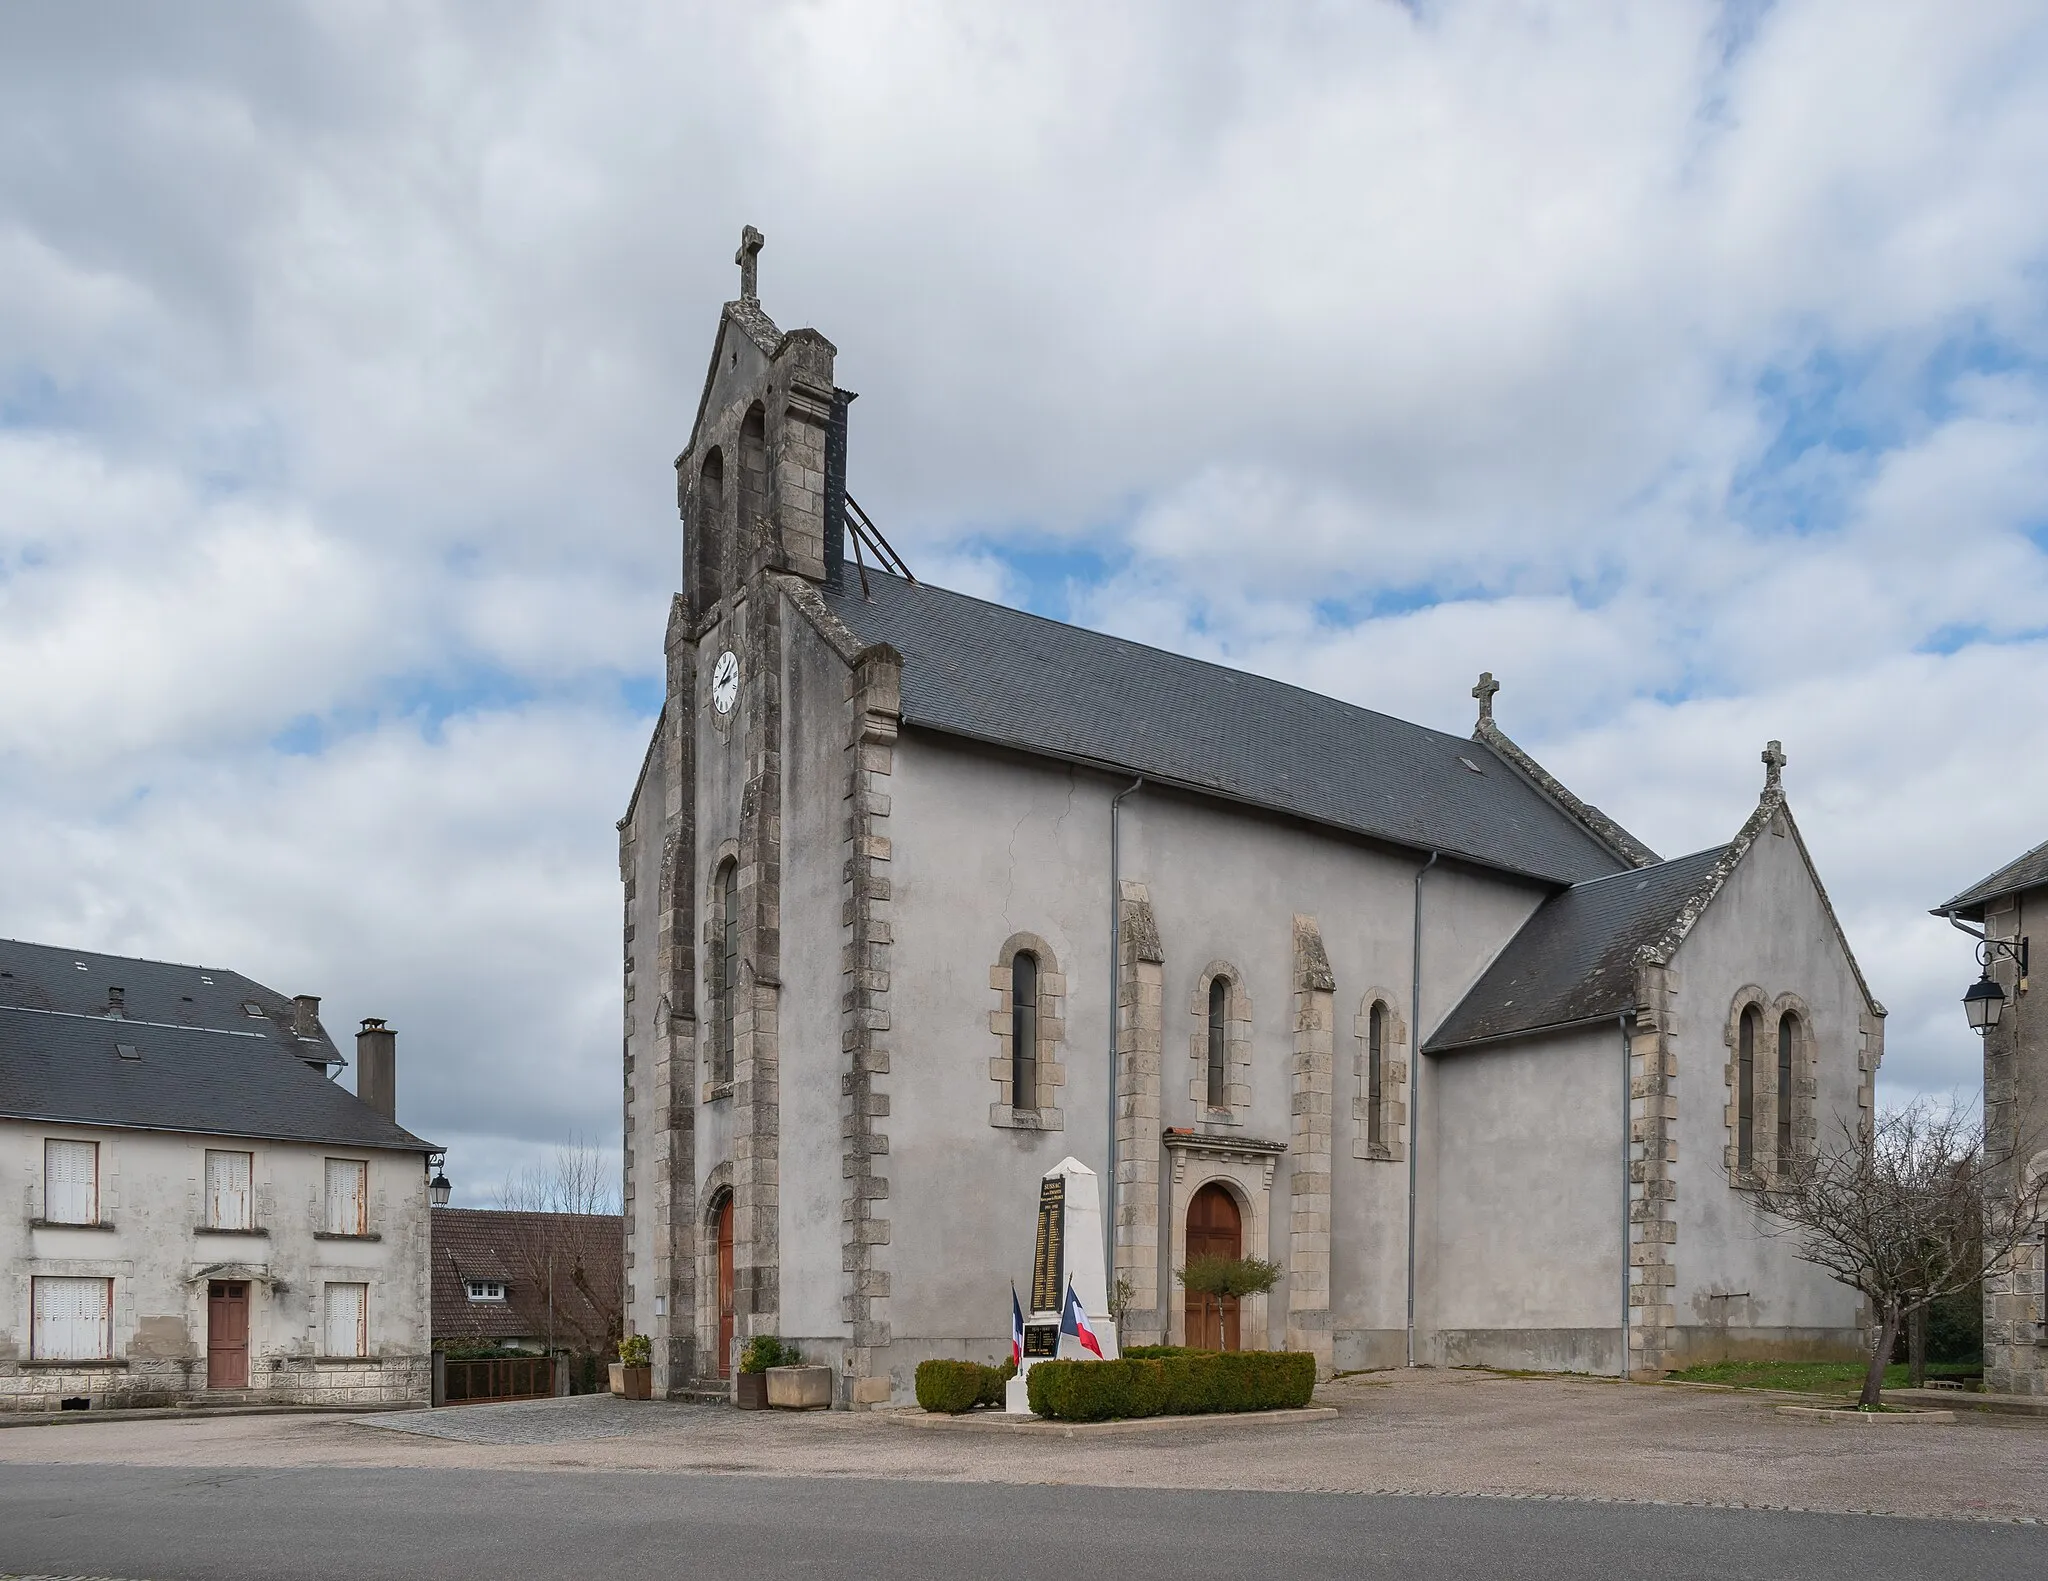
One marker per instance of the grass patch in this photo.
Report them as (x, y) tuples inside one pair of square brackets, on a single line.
[(1814, 1377)]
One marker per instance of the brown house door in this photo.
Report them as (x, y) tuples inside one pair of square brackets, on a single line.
[(1214, 1227), (227, 1334), (725, 1287)]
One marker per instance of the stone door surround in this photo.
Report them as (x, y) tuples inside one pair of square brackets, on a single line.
[(1244, 1165)]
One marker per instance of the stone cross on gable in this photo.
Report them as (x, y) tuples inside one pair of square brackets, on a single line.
[(1774, 766), (1484, 692), (748, 259)]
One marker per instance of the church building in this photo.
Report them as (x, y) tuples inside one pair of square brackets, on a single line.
[(924, 894)]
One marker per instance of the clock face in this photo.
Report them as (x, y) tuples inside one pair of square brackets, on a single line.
[(725, 682)]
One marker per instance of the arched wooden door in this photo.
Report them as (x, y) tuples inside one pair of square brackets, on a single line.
[(725, 1285), (1216, 1228)]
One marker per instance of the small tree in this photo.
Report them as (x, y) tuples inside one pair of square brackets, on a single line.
[(1213, 1276), (1906, 1208)]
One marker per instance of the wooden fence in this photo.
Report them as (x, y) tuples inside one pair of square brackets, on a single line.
[(481, 1380)]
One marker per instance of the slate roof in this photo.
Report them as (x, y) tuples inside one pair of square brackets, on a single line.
[(979, 670), (1574, 960), (2028, 872), (479, 1243), (218, 1071), (45, 977)]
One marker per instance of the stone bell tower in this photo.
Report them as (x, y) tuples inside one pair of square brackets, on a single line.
[(760, 486), (758, 482)]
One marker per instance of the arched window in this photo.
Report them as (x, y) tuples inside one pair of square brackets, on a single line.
[(1745, 1091), (1375, 1074), (1024, 1031), (728, 970), (706, 525), (753, 476), (1788, 1029), (1219, 1046)]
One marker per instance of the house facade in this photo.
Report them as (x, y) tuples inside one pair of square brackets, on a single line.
[(199, 1211), (923, 894), (2007, 910)]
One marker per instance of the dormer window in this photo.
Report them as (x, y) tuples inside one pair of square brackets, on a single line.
[(486, 1289)]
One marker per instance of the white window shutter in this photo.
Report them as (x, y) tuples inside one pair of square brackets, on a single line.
[(71, 1180), (347, 1196), (227, 1190), (73, 1319), (345, 1319)]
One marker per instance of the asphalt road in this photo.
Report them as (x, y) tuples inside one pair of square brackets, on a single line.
[(159, 1524)]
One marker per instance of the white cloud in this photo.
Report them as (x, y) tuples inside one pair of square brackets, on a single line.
[(1682, 364)]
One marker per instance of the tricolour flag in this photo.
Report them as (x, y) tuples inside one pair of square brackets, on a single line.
[(1016, 1328), (1074, 1322)]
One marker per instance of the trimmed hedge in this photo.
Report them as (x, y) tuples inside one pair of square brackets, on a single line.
[(953, 1387), (994, 1382), (1188, 1383), (1096, 1391)]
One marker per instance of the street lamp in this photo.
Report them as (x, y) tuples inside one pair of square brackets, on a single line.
[(1983, 1004), (438, 1188)]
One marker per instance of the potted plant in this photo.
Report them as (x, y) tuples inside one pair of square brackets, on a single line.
[(633, 1372), (750, 1385)]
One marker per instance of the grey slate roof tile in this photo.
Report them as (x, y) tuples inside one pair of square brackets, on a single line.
[(2027, 872), (202, 1062), (1574, 959), (45, 977), (976, 669)]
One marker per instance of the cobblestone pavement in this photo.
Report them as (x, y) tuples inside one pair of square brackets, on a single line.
[(1424, 1432)]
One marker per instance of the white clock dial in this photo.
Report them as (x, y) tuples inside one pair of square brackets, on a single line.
[(725, 682)]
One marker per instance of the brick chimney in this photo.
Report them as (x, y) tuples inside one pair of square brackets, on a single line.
[(117, 1002), (377, 1067), (306, 1015)]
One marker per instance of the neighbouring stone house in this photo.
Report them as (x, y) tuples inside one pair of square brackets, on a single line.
[(2002, 909), (527, 1281), (923, 893), (199, 1211)]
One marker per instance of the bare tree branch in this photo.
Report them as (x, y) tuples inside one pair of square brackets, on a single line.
[(1906, 1208)]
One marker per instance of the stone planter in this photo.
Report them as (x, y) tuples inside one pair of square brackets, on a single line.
[(800, 1388), (632, 1383), (750, 1391)]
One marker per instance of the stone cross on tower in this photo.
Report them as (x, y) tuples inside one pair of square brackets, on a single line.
[(1484, 692), (1774, 766), (748, 259)]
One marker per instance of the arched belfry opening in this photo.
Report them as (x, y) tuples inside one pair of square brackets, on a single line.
[(753, 516), (706, 533)]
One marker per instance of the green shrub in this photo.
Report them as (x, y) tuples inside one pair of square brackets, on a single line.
[(957, 1386), (1198, 1382), (1097, 1391), (1188, 1383), (994, 1381), (634, 1350), (949, 1386), (767, 1350)]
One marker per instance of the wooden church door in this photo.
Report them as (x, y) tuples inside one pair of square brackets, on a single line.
[(725, 1286), (1215, 1228)]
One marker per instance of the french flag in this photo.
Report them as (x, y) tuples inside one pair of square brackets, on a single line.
[(1016, 1329), (1074, 1322)]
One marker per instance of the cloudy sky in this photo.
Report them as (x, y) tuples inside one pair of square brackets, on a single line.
[(1684, 364)]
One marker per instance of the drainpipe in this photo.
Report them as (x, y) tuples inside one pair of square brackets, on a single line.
[(1116, 912), (1415, 1092), (1626, 1017)]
